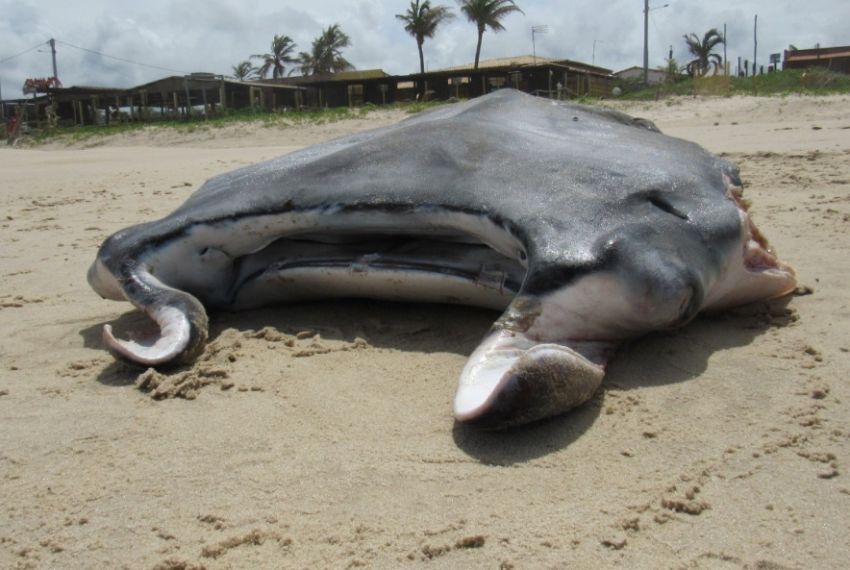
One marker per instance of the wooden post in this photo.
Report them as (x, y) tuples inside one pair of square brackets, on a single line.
[(222, 96), (188, 98), (176, 108)]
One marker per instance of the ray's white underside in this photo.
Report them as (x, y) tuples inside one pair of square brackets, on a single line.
[(426, 255)]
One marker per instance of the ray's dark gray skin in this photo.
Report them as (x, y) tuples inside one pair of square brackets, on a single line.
[(586, 226)]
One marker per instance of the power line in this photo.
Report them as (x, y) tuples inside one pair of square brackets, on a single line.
[(5, 59), (121, 58)]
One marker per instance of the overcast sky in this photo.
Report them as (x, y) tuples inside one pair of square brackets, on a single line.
[(214, 35)]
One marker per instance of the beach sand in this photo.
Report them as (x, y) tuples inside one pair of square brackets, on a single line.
[(320, 435)]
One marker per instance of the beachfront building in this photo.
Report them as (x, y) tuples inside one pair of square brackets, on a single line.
[(199, 95), (635, 73), (173, 97), (554, 78), (833, 58)]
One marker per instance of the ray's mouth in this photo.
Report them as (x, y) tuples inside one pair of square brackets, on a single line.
[(759, 255)]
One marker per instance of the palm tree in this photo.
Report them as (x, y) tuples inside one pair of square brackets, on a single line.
[(326, 53), (670, 69), (486, 14), (244, 70), (421, 21), (282, 48), (307, 63), (704, 60)]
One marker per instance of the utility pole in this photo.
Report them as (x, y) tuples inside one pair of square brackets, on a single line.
[(646, 39), (755, 42), (725, 63), (52, 43), (645, 42)]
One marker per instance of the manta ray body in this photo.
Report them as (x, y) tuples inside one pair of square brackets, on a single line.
[(585, 226)]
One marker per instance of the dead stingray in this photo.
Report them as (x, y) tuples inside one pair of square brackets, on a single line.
[(587, 226)]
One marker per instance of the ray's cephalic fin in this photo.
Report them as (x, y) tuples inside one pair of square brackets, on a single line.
[(181, 318), (513, 378)]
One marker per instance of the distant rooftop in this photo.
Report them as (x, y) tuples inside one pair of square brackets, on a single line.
[(817, 53), (513, 61), (525, 61), (355, 75)]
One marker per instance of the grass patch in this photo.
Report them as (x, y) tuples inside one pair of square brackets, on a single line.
[(414, 107), (812, 81), (91, 133)]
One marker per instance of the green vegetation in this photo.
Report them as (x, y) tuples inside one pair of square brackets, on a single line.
[(705, 59), (418, 106), (813, 81), (276, 60), (487, 14), (325, 55), (421, 21), (91, 134)]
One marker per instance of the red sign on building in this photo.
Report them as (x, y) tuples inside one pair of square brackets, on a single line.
[(41, 85)]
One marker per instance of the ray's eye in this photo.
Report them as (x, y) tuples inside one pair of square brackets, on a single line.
[(662, 204)]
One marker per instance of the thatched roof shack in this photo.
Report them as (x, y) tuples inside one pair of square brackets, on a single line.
[(347, 88), (560, 79), (76, 105), (79, 105), (555, 78), (174, 97), (206, 93)]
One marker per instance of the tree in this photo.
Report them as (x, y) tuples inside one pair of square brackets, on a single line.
[(244, 70), (670, 69), (326, 53), (486, 14), (280, 56), (704, 60), (421, 21)]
